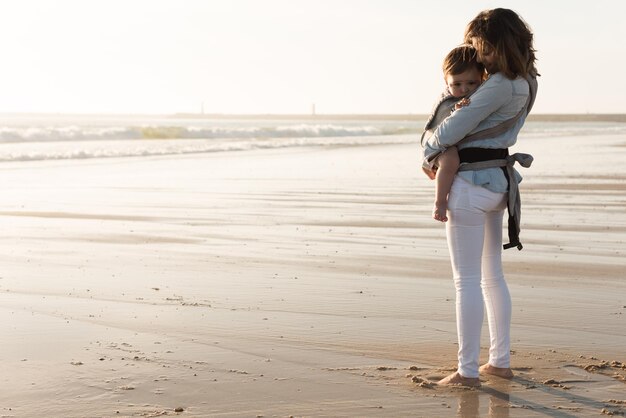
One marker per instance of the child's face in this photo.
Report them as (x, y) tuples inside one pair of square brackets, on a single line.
[(464, 84)]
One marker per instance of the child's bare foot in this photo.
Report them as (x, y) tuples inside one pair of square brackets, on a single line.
[(504, 372), (440, 212), (455, 379)]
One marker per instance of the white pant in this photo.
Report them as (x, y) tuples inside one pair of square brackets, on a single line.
[(474, 232)]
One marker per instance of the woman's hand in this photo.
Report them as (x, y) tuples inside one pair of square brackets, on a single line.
[(430, 172)]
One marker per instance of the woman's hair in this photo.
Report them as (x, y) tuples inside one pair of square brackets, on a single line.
[(461, 59), (508, 36)]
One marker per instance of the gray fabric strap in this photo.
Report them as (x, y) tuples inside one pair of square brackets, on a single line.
[(446, 99), (514, 203)]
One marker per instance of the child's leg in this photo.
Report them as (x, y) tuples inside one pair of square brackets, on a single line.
[(448, 166)]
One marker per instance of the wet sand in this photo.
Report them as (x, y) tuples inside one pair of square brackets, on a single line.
[(301, 281)]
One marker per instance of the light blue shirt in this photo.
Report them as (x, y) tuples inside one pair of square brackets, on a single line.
[(495, 101)]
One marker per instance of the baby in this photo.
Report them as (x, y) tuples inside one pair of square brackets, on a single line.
[(463, 74)]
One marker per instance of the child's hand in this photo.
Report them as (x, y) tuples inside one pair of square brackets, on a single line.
[(462, 103)]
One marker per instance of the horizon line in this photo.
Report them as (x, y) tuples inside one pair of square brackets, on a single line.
[(609, 117)]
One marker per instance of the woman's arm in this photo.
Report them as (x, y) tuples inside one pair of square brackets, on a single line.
[(491, 96)]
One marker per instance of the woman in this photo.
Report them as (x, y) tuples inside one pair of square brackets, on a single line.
[(478, 198)]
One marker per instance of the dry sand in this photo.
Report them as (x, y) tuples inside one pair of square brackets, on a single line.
[(302, 281)]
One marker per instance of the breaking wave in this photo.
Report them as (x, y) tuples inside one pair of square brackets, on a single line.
[(90, 133), (26, 138), (144, 148)]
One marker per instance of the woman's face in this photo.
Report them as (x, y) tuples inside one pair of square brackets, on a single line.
[(486, 56)]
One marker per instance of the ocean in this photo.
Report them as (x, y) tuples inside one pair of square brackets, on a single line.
[(57, 137)]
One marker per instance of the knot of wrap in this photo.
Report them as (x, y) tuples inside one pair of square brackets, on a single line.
[(514, 203)]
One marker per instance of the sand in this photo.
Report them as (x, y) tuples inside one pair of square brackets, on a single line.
[(299, 282)]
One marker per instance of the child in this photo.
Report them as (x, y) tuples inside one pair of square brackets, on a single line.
[(463, 74)]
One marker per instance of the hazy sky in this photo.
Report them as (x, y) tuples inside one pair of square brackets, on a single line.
[(281, 56)]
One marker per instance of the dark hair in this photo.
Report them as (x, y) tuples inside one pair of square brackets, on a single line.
[(508, 36), (461, 59)]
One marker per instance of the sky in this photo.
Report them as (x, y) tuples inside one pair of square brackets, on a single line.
[(284, 56)]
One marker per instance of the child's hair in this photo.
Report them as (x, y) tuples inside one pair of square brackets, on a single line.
[(508, 36), (461, 59)]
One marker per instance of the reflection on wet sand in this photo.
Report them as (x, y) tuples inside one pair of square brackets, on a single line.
[(469, 403), (578, 398)]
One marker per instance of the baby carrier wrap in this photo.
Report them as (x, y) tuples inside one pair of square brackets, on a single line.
[(482, 158)]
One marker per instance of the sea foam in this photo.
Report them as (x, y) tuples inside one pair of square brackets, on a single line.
[(24, 138)]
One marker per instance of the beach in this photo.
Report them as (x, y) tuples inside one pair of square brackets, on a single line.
[(299, 281)]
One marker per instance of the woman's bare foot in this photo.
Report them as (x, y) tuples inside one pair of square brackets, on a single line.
[(504, 372), (455, 379)]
